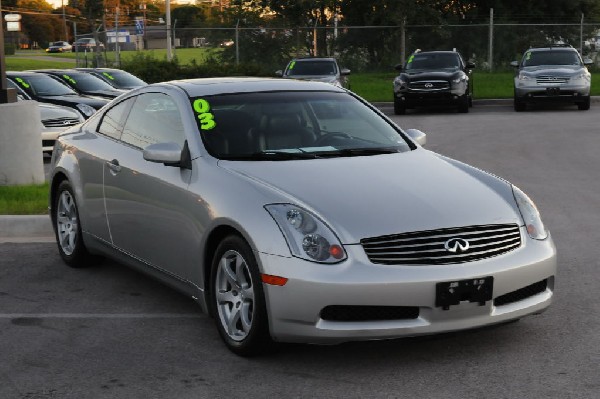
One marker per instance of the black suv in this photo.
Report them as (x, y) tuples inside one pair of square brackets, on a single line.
[(554, 73), (433, 78)]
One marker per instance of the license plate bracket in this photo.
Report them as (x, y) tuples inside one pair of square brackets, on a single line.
[(553, 91), (450, 293)]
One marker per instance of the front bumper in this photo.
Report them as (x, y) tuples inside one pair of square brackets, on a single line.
[(549, 93), (295, 309), (412, 98)]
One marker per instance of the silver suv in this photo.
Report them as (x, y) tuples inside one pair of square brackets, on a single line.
[(554, 73)]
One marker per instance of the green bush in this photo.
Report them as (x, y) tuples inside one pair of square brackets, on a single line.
[(153, 70), (9, 49)]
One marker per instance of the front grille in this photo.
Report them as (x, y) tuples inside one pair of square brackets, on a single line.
[(522, 293), (369, 313), (546, 80), (48, 143), (428, 247), (429, 85), (60, 122)]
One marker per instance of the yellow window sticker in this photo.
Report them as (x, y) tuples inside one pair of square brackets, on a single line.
[(108, 75), (22, 83), (69, 79), (292, 64), (528, 55), (412, 57), (206, 118)]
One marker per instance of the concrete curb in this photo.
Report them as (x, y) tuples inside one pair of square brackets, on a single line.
[(26, 228)]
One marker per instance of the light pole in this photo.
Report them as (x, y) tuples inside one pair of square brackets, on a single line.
[(168, 16), (62, 2)]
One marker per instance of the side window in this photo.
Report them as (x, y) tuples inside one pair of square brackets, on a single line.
[(112, 122), (154, 118)]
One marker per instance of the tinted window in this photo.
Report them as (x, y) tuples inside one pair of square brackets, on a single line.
[(112, 122), (123, 79), (240, 125), (42, 85), (311, 68), (154, 118), (558, 57), (86, 82), (433, 61)]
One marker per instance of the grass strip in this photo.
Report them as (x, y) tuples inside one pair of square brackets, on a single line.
[(24, 200)]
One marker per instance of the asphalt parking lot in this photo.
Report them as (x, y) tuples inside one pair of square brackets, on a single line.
[(109, 332)]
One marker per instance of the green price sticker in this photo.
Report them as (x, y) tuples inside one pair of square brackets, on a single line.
[(206, 118), (528, 55), (22, 83), (70, 79), (412, 57), (292, 64), (108, 75)]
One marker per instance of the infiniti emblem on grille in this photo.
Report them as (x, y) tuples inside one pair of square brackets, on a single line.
[(66, 122), (456, 245), (429, 85)]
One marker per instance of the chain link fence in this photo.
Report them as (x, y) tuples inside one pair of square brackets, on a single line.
[(359, 48)]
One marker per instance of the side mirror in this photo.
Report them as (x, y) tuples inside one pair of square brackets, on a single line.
[(588, 61), (399, 67), (470, 65), (417, 135), (514, 64), (165, 153), (344, 71), (279, 73)]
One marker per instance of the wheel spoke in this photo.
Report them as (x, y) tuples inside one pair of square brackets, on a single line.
[(232, 322), (248, 293), (246, 316), (240, 269), (224, 297), (229, 274)]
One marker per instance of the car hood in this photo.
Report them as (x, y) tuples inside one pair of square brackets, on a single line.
[(72, 100), (442, 75), (370, 196), (50, 111), (554, 69), (105, 93)]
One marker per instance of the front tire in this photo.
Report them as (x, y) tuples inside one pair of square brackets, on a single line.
[(67, 228), (585, 105), (463, 105), (399, 107), (237, 298), (519, 105)]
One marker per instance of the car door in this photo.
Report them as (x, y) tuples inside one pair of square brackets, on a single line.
[(148, 206)]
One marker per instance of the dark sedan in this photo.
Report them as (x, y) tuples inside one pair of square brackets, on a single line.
[(46, 89), (84, 83)]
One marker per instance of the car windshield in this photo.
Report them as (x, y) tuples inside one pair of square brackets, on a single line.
[(42, 85), (123, 79), (293, 125), (86, 82), (305, 68), (432, 61), (552, 57)]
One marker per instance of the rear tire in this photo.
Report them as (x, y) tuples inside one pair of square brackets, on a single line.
[(237, 299), (585, 105), (399, 107), (67, 228)]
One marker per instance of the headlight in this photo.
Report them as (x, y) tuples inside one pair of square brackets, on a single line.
[(86, 109), (461, 78), (399, 82), (307, 236), (531, 215), (523, 76), (583, 75)]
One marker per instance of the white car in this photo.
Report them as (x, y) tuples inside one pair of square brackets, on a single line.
[(294, 211), (55, 119)]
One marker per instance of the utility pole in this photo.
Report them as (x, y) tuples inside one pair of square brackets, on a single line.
[(64, 20), (6, 95), (491, 41), (169, 51)]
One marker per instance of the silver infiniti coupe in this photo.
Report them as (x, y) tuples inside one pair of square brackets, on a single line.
[(294, 211)]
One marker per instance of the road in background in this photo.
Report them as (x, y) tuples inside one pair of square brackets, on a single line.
[(110, 332)]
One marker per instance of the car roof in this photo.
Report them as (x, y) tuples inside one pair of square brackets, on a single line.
[(553, 48), (436, 52), (58, 71), (314, 59), (214, 86)]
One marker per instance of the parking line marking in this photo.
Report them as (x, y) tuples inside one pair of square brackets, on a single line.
[(101, 315)]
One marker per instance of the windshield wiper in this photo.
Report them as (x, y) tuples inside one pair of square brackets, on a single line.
[(354, 152), (271, 156)]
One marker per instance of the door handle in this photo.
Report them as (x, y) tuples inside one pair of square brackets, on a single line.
[(114, 166)]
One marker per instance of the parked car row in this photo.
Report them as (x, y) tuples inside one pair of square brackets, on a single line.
[(555, 73), (69, 96)]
